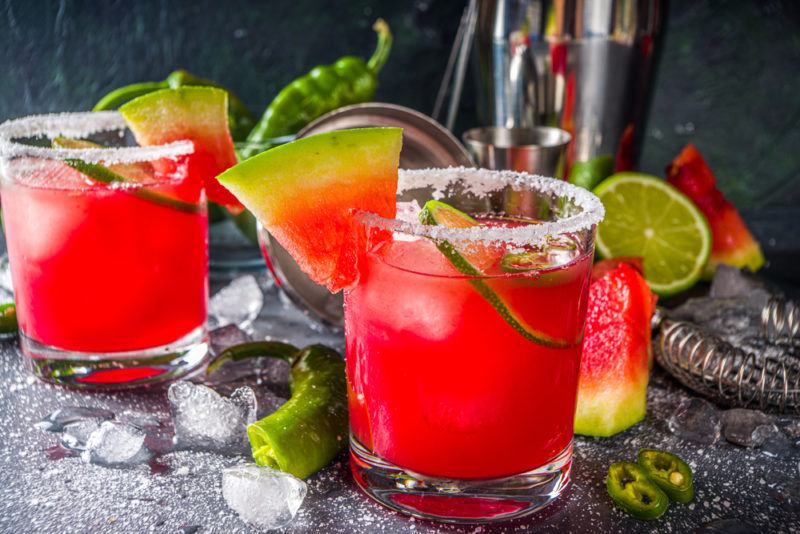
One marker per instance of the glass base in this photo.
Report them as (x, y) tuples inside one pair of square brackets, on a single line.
[(116, 370), (459, 501)]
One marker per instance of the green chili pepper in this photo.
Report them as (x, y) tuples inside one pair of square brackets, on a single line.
[(669, 472), (350, 80), (239, 117), (310, 429), (8, 318), (634, 492)]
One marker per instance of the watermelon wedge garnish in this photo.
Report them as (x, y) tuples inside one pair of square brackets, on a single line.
[(307, 193), (197, 114), (615, 364), (733, 244)]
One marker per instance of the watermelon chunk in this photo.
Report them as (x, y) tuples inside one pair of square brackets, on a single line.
[(616, 359), (198, 114), (307, 194), (733, 244)]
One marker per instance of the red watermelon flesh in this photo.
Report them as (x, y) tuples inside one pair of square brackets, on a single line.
[(309, 193), (733, 244), (616, 359), (197, 114)]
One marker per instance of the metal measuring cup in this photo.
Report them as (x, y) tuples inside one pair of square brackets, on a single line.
[(538, 150)]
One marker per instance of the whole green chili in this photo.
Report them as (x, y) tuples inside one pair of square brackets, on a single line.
[(350, 80), (310, 429), (239, 117)]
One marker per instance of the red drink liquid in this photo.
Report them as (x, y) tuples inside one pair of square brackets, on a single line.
[(440, 384), (98, 269)]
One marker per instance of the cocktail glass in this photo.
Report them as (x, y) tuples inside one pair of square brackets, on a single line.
[(108, 252), (464, 345)]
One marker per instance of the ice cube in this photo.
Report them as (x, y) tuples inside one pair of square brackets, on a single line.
[(204, 420), (57, 420), (116, 444), (695, 420), (731, 282), (237, 303), (745, 427), (774, 443), (141, 419), (264, 497), (76, 435), (227, 336), (738, 316), (789, 425)]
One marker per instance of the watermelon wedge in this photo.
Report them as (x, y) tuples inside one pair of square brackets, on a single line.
[(733, 244), (307, 194), (615, 364), (198, 114)]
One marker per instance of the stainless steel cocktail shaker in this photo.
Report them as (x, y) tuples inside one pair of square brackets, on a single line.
[(581, 65)]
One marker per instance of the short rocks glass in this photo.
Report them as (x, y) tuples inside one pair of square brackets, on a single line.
[(464, 345), (108, 251)]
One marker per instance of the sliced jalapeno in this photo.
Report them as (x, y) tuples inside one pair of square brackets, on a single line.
[(634, 492), (310, 429), (669, 472)]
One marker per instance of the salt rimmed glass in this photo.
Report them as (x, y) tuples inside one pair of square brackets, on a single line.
[(463, 345), (108, 251)]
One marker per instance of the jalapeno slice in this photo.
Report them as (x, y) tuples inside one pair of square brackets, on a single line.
[(669, 472), (634, 492)]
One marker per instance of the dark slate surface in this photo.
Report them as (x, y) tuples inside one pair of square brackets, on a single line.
[(182, 490), (727, 78)]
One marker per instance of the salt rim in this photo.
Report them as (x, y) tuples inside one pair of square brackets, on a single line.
[(481, 182), (79, 125)]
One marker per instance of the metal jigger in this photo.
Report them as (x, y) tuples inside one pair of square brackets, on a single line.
[(539, 150)]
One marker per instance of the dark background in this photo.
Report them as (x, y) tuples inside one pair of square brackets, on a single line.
[(728, 79)]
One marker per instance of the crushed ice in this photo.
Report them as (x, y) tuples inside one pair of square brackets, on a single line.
[(238, 303), (204, 420), (264, 497)]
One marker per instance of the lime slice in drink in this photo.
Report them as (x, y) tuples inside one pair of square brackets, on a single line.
[(438, 213), (647, 217), (120, 173)]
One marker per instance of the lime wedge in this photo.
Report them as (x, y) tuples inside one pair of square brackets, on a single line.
[(438, 213), (588, 174), (647, 217), (116, 173)]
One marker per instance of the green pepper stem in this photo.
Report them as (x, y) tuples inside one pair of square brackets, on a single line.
[(255, 349), (382, 49)]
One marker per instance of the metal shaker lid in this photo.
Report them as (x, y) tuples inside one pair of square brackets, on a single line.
[(426, 143)]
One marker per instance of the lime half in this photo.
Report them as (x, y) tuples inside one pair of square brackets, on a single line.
[(647, 217)]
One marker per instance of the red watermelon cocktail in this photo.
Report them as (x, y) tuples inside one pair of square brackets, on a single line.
[(108, 246), (465, 301)]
